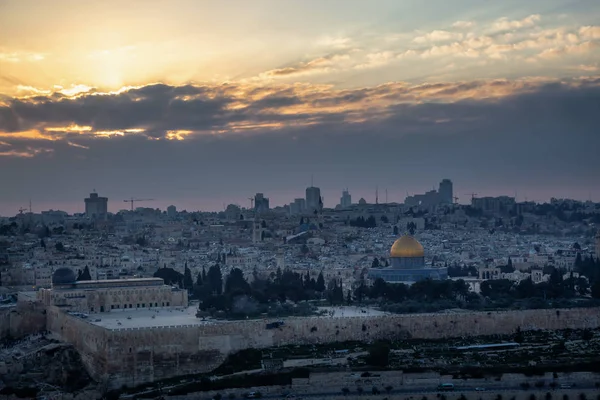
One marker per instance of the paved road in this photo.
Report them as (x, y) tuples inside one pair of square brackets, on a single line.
[(428, 390)]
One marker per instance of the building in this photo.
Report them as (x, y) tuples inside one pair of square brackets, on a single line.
[(298, 206), (106, 295), (346, 199), (96, 207), (598, 244), (261, 203), (496, 205), (172, 212), (313, 199), (446, 193), (407, 264)]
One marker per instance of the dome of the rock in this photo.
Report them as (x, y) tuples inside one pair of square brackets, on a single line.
[(406, 246)]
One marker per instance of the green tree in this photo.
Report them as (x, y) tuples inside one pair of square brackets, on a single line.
[(188, 282), (375, 263), (84, 275), (236, 282), (320, 283), (379, 354), (215, 279)]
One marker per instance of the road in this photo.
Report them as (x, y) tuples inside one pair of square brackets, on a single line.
[(428, 390)]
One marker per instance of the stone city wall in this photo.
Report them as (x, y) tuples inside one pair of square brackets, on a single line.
[(90, 340), (22, 320), (132, 356)]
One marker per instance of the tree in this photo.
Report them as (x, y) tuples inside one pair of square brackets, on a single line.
[(85, 275), (236, 283), (43, 244), (199, 280), (215, 279), (320, 283), (375, 263), (59, 247), (379, 354), (396, 230), (188, 282), (345, 391), (596, 290)]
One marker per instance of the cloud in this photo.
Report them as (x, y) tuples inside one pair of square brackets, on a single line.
[(590, 32), (358, 137), (314, 66), (463, 24), (438, 36), (577, 49), (505, 24), (19, 56), (179, 112)]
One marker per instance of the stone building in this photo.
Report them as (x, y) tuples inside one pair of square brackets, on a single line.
[(106, 295)]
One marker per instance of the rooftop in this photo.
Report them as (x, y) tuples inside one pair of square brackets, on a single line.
[(148, 318)]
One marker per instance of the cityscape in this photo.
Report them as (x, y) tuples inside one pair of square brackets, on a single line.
[(386, 200)]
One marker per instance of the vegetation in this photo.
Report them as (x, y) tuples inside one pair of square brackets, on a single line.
[(237, 298)]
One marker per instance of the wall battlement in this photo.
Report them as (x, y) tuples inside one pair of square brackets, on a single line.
[(132, 356)]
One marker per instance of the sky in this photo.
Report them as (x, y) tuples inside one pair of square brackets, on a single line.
[(204, 103)]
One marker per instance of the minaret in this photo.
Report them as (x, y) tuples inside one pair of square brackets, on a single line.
[(281, 259), (256, 231)]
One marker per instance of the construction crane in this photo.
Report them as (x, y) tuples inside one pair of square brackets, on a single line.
[(22, 209), (472, 195), (133, 200)]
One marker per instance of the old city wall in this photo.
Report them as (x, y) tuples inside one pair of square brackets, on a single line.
[(134, 356), (90, 340), (22, 320)]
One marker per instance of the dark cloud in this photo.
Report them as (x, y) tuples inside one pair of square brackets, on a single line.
[(538, 138)]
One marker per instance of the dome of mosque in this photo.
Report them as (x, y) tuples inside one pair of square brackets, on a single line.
[(407, 246), (63, 276)]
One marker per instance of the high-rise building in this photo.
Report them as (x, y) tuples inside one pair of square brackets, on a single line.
[(313, 199), (445, 192), (261, 203), (298, 206), (172, 212), (96, 207), (346, 199)]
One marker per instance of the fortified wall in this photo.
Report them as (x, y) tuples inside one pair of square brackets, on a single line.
[(133, 356), (22, 319)]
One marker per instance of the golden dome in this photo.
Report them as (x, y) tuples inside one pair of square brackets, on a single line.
[(407, 246)]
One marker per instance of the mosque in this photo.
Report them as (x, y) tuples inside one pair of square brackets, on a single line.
[(407, 258), (113, 294)]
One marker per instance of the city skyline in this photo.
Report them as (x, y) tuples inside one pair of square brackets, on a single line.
[(195, 105), (116, 204)]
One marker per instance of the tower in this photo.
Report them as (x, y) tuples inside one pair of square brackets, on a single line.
[(256, 231), (313, 199), (96, 207), (281, 259), (446, 192)]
